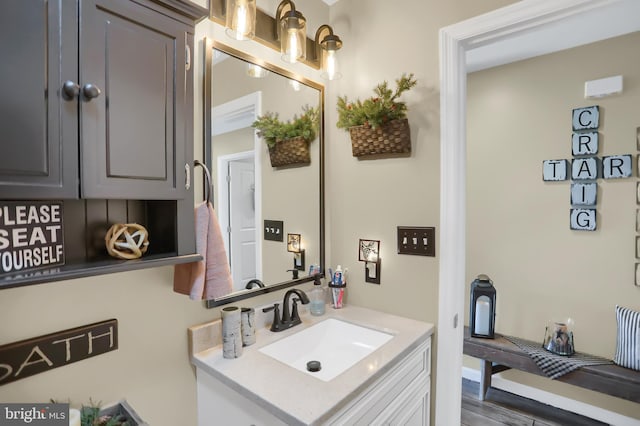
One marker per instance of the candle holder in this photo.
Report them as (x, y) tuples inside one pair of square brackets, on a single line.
[(558, 338)]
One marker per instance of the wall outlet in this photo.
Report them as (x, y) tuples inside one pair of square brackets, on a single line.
[(417, 240)]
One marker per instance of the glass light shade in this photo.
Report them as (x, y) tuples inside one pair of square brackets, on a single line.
[(330, 70), (256, 71), (295, 85), (294, 243), (241, 19), (330, 46), (293, 37), (369, 250)]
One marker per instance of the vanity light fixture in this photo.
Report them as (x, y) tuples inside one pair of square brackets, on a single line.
[(369, 253), (291, 27), (286, 32), (294, 245), (326, 52), (241, 19)]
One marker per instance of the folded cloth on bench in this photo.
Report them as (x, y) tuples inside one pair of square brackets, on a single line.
[(553, 365)]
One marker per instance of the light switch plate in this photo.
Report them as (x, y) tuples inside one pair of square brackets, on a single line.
[(417, 240)]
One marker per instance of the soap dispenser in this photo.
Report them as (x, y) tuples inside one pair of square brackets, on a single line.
[(317, 297)]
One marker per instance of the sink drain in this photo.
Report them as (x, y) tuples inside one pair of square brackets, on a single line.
[(314, 366)]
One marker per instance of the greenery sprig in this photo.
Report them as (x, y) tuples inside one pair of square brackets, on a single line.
[(377, 110), (274, 130)]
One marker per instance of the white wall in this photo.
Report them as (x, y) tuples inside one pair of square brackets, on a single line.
[(370, 198)]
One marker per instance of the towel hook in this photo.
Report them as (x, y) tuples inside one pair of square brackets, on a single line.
[(209, 182)]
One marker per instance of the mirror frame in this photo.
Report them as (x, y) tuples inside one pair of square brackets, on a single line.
[(209, 45)]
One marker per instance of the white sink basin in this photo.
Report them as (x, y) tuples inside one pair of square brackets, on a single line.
[(337, 344)]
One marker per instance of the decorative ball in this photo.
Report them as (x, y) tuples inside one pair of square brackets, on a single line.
[(127, 240)]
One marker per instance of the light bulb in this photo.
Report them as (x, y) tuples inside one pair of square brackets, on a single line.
[(295, 85), (292, 44), (241, 27)]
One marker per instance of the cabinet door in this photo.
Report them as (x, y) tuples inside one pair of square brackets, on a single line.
[(132, 105), (39, 127)]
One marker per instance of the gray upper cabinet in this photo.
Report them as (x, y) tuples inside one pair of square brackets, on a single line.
[(39, 126), (95, 100), (133, 132)]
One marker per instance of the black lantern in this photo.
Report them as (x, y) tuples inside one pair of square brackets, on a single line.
[(482, 307)]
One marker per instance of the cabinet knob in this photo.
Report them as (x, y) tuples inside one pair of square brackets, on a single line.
[(187, 176), (70, 90), (90, 91)]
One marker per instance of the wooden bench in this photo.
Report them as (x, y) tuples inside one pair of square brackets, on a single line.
[(500, 354)]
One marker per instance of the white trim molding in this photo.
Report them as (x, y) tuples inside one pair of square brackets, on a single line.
[(236, 114), (477, 43)]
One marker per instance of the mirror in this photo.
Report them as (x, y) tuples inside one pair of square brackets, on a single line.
[(261, 208)]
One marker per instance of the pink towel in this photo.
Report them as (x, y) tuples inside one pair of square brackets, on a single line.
[(211, 277)]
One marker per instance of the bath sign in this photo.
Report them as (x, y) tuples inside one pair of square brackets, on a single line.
[(31, 235), (43, 353)]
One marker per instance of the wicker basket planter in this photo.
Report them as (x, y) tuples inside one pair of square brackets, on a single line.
[(392, 138), (290, 151)]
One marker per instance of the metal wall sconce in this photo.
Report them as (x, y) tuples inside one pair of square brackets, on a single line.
[(369, 253), (292, 32), (329, 46), (288, 20), (240, 19), (294, 245)]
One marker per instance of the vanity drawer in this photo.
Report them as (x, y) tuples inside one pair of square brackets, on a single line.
[(392, 390)]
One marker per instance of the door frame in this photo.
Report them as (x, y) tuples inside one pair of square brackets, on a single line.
[(532, 27)]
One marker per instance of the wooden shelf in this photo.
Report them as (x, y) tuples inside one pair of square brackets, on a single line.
[(87, 269)]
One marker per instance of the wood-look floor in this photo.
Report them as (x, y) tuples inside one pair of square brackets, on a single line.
[(503, 408)]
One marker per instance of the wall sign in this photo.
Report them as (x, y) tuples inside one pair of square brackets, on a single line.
[(586, 169), (31, 235), (39, 354)]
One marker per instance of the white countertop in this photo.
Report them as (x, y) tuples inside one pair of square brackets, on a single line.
[(298, 398)]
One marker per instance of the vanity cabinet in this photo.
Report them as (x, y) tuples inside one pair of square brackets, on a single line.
[(96, 100), (400, 397)]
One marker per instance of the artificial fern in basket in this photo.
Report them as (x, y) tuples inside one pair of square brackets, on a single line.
[(288, 141), (378, 125)]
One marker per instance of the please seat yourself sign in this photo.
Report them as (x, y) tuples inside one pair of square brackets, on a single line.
[(31, 235)]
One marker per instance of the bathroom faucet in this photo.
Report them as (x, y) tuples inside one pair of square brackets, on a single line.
[(288, 320)]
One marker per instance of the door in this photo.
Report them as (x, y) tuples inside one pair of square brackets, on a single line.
[(242, 219), (133, 66), (39, 139)]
